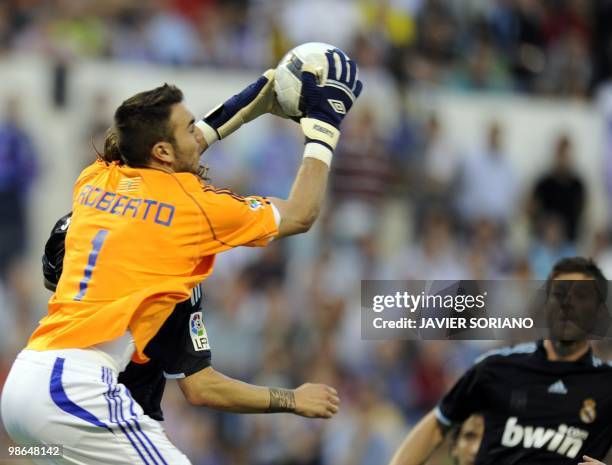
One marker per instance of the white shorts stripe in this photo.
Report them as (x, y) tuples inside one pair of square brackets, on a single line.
[(137, 431), (113, 413)]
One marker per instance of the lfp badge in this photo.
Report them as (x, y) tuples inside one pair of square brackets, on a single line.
[(199, 338)]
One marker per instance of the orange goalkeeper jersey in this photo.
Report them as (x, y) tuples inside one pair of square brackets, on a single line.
[(138, 242)]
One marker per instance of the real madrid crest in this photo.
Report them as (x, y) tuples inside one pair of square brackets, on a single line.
[(587, 412)]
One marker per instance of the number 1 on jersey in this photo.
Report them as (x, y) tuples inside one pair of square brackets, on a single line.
[(96, 243)]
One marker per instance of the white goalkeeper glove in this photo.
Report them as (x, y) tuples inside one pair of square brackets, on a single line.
[(253, 101)]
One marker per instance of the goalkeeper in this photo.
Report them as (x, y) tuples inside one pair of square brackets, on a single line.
[(178, 352), (144, 233)]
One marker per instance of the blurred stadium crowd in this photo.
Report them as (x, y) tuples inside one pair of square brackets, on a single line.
[(291, 312), (536, 46)]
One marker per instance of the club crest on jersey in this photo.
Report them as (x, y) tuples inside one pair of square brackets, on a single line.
[(197, 331), (588, 412), (253, 203)]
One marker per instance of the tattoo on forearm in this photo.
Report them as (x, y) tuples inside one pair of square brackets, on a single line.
[(281, 400)]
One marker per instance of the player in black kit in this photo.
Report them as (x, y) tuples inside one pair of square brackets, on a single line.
[(546, 402), (180, 350)]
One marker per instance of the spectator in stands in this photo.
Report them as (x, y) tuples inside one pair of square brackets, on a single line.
[(18, 167), (486, 253), (601, 250), (368, 430), (483, 70), (361, 175), (437, 31), (172, 38), (128, 38), (96, 127), (569, 68), (274, 159), (549, 246), (324, 25), (440, 163), (18, 164), (433, 172), (527, 45), (560, 192), (434, 256), (487, 186)]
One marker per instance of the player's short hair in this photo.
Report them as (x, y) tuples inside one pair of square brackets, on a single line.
[(581, 265), (140, 122)]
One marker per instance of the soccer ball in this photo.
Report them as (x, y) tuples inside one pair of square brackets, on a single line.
[(287, 79)]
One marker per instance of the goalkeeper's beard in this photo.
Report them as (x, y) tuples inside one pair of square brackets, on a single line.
[(186, 163), (194, 167)]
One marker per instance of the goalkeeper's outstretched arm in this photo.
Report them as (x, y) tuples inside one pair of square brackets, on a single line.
[(323, 106), (420, 443), (321, 128), (301, 209)]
